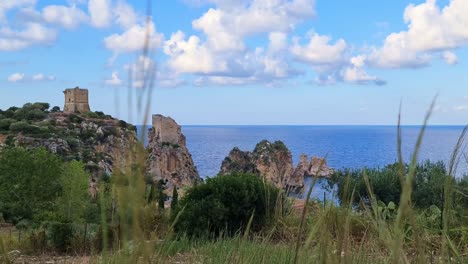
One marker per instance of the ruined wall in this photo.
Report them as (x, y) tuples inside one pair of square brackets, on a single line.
[(76, 100)]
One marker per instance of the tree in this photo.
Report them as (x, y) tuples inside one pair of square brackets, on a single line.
[(175, 199), (74, 199), (161, 186), (224, 205), (55, 109), (29, 183)]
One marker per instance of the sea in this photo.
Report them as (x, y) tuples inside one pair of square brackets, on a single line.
[(344, 146)]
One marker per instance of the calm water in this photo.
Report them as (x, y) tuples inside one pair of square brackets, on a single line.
[(346, 146)]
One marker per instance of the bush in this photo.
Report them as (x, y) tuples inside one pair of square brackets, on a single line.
[(60, 235), (91, 115), (385, 183), (224, 205), (55, 109), (75, 118), (29, 183), (5, 123)]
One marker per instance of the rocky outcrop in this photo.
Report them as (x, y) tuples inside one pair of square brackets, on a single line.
[(301, 170), (318, 167), (102, 144), (169, 158), (272, 161)]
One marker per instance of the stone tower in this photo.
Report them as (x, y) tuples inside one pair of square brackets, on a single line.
[(76, 100)]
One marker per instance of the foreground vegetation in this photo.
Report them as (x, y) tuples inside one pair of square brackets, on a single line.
[(402, 213)]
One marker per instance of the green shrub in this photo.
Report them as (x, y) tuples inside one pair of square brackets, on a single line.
[(29, 183), (91, 115), (24, 127), (75, 118), (60, 235), (55, 109), (385, 183), (5, 123), (224, 205), (122, 124), (41, 106)]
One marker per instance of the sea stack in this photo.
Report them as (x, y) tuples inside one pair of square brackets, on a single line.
[(272, 161), (169, 158)]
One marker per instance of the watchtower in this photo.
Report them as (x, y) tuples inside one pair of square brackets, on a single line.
[(76, 100)]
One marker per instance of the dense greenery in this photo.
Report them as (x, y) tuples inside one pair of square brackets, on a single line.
[(29, 183), (225, 204), (428, 186)]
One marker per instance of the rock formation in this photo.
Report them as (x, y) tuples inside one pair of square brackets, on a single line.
[(102, 144), (169, 158), (318, 166), (273, 161), (300, 171)]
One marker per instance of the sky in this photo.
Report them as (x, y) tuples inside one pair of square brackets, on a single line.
[(240, 62)]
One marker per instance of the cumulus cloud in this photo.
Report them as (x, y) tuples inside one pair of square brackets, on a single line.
[(190, 56), (114, 80), (319, 51), (42, 77), (227, 25), (100, 12), (32, 34), (221, 56), (450, 57), (67, 17), (133, 39), (430, 29), (16, 77), (125, 15), (6, 5)]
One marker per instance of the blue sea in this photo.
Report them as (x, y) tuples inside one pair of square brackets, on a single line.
[(344, 146)]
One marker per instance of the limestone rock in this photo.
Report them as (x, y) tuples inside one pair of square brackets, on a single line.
[(301, 170), (169, 158), (238, 161), (319, 167), (272, 161), (100, 143)]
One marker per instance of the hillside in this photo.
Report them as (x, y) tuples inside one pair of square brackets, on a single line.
[(98, 140)]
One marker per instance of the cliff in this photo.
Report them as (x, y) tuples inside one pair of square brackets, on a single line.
[(169, 158), (272, 161)]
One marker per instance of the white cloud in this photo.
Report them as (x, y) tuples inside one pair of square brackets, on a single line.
[(430, 29), (100, 12), (133, 39), (461, 108), (450, 57), (67, 17), (16, 77), (142, 72), (221, 56), (319, 51), (32, 34), (125, 15), (42, 77), (114, 80), (354, 72), (6, 5), (227, 25), (38, 77), (190, 56)]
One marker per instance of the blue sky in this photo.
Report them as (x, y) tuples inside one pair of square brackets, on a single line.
[(298, 62)]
